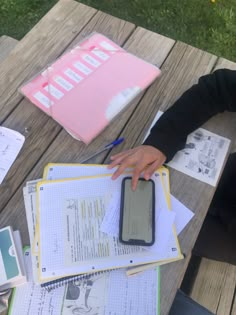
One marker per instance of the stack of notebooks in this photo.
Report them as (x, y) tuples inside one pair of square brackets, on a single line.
[(86, 88), (75, 262), (72, 215)]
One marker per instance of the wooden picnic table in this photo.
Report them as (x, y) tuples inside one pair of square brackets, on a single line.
[(46, 141)]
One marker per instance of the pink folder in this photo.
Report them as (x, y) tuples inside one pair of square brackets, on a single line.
[(90, 85)]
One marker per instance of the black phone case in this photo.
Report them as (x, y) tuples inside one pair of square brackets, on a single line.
[(136, 242)]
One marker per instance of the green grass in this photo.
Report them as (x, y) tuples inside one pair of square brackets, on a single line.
[(200, 23)]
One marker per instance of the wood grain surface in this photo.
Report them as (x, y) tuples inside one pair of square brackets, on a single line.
[(6, 45)]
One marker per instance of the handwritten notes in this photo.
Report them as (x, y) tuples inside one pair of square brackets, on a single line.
[(10, 144)]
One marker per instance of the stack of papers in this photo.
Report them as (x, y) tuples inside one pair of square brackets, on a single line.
[(73, 226), (72, 215)]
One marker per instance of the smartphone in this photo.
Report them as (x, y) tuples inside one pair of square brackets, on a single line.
[(137, 213)]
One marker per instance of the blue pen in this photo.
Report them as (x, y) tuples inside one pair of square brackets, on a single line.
[(107, 147)]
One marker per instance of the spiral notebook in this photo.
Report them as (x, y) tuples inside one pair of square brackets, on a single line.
[(137, 295), (57, 171), (86, 88)]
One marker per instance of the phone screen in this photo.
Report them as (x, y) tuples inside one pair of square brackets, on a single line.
[(137, 215)]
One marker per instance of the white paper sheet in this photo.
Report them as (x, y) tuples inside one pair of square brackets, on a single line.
[(10, 144), (202, 157), (182, 214), (53, 232)]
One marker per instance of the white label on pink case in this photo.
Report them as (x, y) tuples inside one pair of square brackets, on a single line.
[(73, 75), (93, 62), (100, 54), (52, 90), (63, 83), (108, 47), (81, 67), (43, 99), (119, 101)]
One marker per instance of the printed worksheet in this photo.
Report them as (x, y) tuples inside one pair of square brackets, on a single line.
[(203, 156), (11, 143)]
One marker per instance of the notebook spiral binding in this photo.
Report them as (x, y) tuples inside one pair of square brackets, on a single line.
[(55, 284)]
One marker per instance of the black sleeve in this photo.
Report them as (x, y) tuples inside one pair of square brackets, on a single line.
[(213, 94)]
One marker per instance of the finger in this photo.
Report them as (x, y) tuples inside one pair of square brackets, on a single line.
[(119, 171), (134, 182), (136, 174), (113, 164), (121, 160), (124, 163), (151, 169), (118, 155), (118, 160)]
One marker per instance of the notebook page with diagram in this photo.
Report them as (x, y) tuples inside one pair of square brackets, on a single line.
[(70, 241), (164, 219), (138, 295), (59, 170)]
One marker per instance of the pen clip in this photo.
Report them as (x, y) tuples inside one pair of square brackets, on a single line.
[(114, 143)]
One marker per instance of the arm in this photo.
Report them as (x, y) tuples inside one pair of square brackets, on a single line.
[(213, 94)]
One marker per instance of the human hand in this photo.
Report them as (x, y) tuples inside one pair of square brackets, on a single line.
[(143, 158)]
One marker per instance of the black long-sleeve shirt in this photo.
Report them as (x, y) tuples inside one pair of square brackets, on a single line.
[(214, 93)]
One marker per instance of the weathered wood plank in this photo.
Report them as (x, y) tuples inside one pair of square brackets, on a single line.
[(234, 305), (40, 132), (43, 44), (224, 63), (214, 286), (6, 45), (228, 292)]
